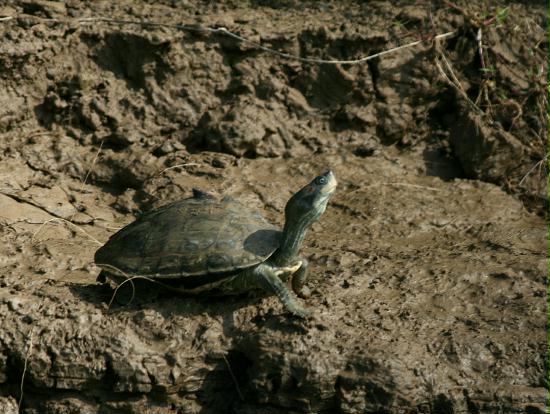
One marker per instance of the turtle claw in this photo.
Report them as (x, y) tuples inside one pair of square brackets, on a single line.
[(301, 312), (304, 292)]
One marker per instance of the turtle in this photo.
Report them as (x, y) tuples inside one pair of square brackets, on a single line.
[(205, 245)]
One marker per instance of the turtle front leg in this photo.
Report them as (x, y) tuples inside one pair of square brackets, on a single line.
[(269, 281), (299, 279)]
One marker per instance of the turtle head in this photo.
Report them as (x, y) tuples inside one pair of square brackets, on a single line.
[(301, 211), (310, 202)]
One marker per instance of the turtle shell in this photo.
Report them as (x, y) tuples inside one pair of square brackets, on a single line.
[(191, 237)]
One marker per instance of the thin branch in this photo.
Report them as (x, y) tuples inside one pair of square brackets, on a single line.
[(70, 223), (186, 164), (538, 164), (233, 378), (88, 174), (226, 32), (27, 356), (328, 61), (480, 48)]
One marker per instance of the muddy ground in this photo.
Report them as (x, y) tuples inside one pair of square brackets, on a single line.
[(429, 267)]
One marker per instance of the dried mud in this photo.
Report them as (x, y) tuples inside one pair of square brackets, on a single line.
[(429, 268)]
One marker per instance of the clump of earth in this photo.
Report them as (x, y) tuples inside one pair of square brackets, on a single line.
[(429, 269)]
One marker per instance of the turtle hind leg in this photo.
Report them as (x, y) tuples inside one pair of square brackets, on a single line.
[(102, 277), (269, 281)]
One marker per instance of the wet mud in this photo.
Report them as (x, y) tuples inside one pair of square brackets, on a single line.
[(429, 269)]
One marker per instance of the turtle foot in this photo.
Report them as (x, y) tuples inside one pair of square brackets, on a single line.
[(300, 312), (304, 292)]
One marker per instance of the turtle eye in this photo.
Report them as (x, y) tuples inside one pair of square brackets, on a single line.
[(321, 180)]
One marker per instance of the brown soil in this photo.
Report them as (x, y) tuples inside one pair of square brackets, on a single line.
[(429, 268)]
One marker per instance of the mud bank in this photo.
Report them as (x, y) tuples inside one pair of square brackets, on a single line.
[(429, 268)]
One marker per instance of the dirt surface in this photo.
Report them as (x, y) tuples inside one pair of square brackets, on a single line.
[(429, 267)]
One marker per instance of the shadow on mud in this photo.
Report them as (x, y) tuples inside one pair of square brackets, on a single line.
[(146, 295), (227, 384), (140, 294)]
